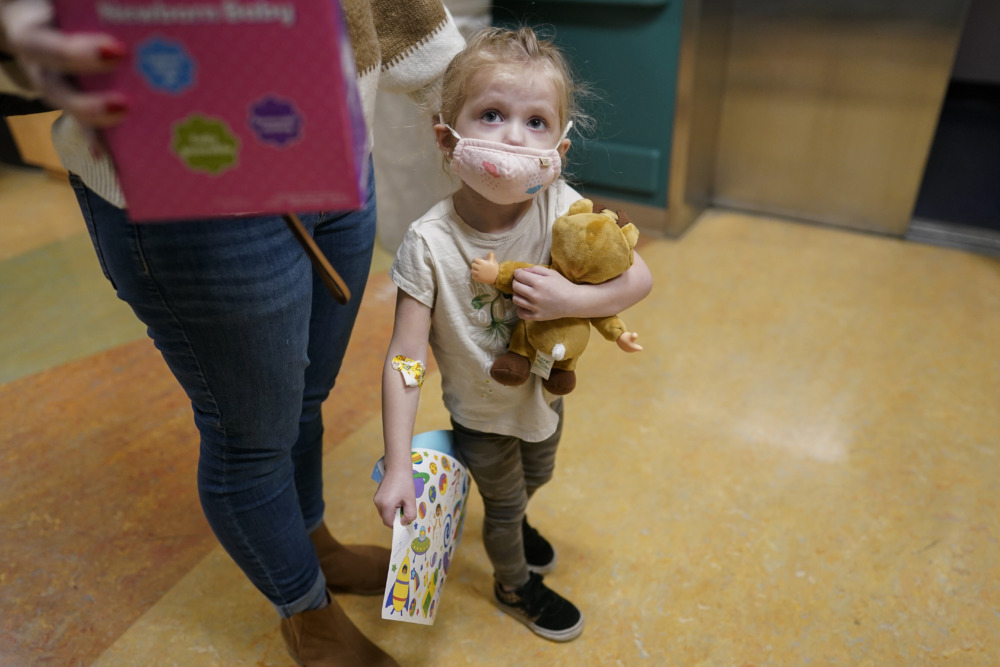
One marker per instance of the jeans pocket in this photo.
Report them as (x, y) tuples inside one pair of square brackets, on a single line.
[(83, 198)]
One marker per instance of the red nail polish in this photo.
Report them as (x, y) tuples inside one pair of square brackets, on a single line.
[(115, 106), (109, 52)]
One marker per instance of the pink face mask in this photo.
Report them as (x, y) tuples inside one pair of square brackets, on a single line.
[(505, 174)]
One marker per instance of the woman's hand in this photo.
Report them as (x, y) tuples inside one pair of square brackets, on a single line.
[(396, 491), (49, 56)]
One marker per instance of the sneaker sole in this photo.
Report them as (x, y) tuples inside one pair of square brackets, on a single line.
[(544, 569), (566, 635)]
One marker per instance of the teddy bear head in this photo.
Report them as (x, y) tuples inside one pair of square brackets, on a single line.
[(592, 247)]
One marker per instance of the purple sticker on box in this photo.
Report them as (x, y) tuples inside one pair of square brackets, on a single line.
[(276, 121)]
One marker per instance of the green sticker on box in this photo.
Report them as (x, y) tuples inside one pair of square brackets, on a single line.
[(205, 144)]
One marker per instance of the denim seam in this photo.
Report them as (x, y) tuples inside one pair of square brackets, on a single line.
[(88, 217), (167, 307)]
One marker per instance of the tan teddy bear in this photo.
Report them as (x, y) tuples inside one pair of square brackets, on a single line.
[(587, 247)]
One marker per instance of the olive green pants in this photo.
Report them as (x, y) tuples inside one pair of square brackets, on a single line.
[(507, 472)]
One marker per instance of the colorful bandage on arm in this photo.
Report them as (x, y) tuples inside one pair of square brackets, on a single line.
[(411, 370)]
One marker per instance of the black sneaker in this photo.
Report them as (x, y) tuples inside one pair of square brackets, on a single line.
[(538, 552), (547, 613)]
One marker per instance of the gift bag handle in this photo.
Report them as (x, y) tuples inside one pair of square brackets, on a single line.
[(327, 273)]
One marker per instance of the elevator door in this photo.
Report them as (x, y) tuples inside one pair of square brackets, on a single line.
[(829, 108), (959, 200)]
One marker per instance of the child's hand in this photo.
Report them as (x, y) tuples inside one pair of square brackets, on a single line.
[(485, 270), (541, 293), (395, 492), (627, 342)]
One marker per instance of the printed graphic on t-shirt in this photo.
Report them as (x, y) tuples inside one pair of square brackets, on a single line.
[(493, 316)]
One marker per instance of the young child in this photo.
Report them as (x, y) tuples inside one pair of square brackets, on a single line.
[(507, 104)]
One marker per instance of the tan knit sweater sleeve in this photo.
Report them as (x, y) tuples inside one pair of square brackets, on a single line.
[(417, 40)]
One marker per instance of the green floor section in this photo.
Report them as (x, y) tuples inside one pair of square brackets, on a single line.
[(56, 306)]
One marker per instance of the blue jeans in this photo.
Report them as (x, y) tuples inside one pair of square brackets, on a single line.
[(256, 341)]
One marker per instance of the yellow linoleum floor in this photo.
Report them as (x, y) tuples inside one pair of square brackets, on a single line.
[(800, 469)]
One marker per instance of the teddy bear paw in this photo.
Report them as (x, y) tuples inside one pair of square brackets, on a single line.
[(511, 369), (560, 382)]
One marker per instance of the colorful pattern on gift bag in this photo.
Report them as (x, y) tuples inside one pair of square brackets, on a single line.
[(423, 552)]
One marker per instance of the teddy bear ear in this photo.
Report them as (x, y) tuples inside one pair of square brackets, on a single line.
[(599, 207), (581, 206), (623, 218), (631, 233)]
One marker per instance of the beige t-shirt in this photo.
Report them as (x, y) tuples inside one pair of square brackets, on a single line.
[(471, 322)]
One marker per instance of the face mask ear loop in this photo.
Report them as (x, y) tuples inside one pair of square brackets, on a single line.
[(450, 128), (569, 125)]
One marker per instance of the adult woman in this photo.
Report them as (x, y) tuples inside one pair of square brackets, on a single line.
[(245, 326)]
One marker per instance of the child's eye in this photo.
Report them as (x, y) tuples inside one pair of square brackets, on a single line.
[(537, 123), (491, 116)]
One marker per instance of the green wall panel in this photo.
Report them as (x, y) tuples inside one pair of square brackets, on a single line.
[(628, 52)]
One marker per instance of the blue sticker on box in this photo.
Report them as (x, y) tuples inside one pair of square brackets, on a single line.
[(165, 65)]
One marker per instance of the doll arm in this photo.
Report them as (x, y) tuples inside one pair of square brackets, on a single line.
[(627, 342), (491, 272), (399, 410), (543, 294), (613, 328), (485, 270)]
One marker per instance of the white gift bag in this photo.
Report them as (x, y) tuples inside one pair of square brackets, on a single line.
[(422, 553)]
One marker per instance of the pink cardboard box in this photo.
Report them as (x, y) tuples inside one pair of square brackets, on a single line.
[(235, 107)]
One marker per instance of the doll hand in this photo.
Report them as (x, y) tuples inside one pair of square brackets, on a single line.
[(395, 492), (485, 270), (541, 293), (49, 55), (627, 342)]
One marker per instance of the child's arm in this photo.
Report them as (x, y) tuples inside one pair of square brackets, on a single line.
[(399, 409), (543, 294)]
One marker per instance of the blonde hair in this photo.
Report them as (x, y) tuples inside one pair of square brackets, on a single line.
[(505, 47)]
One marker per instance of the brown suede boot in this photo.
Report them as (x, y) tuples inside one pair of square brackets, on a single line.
[(360, 569), (327, 638)]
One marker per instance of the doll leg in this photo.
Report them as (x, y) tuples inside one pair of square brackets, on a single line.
[(513, 368), (560, 382)]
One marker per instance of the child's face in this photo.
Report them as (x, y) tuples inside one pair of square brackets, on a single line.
[(518, 107)]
